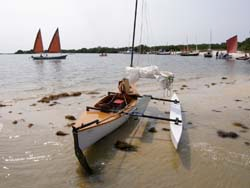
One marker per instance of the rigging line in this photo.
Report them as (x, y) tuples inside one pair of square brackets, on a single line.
[(148, 34), (134, 27), (141, 27), (141, 31)]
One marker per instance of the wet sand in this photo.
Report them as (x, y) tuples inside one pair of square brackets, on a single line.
[(35, 152)]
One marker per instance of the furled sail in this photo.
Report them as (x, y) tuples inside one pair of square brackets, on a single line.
[(38, 45), (164, 78), (232, 44), (55, 43)]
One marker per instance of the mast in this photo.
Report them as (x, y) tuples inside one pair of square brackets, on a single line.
[(210, 39), (187, 44), (134, 27), (196, 43)]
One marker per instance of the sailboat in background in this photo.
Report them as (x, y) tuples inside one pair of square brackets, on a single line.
[(232, 44), (188, 52), (54, 47), (209, 53)]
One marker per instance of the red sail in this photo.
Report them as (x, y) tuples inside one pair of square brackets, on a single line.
[(38, 45), (232, 45), (55, 43)]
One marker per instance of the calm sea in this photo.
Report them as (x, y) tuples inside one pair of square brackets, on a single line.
[(36, 157)]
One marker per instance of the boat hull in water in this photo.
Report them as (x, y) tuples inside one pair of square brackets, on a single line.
[(243, 58), (189, 54), (208, 54), (49, 57), (107, 123), (176, 128)]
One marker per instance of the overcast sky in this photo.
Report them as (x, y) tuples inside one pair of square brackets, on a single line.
[(91, 23)]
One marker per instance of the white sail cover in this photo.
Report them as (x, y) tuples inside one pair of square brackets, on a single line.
[(133, 74)]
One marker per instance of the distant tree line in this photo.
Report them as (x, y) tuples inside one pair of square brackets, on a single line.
[(242, 46)]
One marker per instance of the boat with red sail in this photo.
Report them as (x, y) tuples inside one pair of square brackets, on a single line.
[(54, 47), (232, 44)]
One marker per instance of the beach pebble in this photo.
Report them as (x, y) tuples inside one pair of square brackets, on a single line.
[(14, 122), (70, 117), (224, 78), (213, 83), (243, 131), (247, 143), (165, 129), (207, 85), (76, 94), (189, 123), (33, 104), (10, 112), (237, 100), (92, 92), (152, 130), (30, 125), (61, 133), (237, 124), (2, 105), (121, 145), (216, 111), (225, 134)]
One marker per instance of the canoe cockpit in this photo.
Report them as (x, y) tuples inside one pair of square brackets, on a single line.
[(117, 101)]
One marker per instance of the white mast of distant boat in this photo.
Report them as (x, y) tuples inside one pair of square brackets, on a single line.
[(210, 39)]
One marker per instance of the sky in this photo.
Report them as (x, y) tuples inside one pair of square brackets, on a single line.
[(92, 23)]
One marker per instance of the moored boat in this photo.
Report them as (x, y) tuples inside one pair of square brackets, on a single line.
[(245, 57), (189, 53), (208, 54), (232, 44), (163, 53)]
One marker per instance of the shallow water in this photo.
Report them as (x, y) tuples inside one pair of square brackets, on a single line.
[(36, 157)]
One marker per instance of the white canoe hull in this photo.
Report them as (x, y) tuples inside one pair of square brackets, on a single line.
[(85, 138), (176, 128), (92, 135)]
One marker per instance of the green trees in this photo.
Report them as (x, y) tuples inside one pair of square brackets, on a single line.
[(242, 46), (245, 45)]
